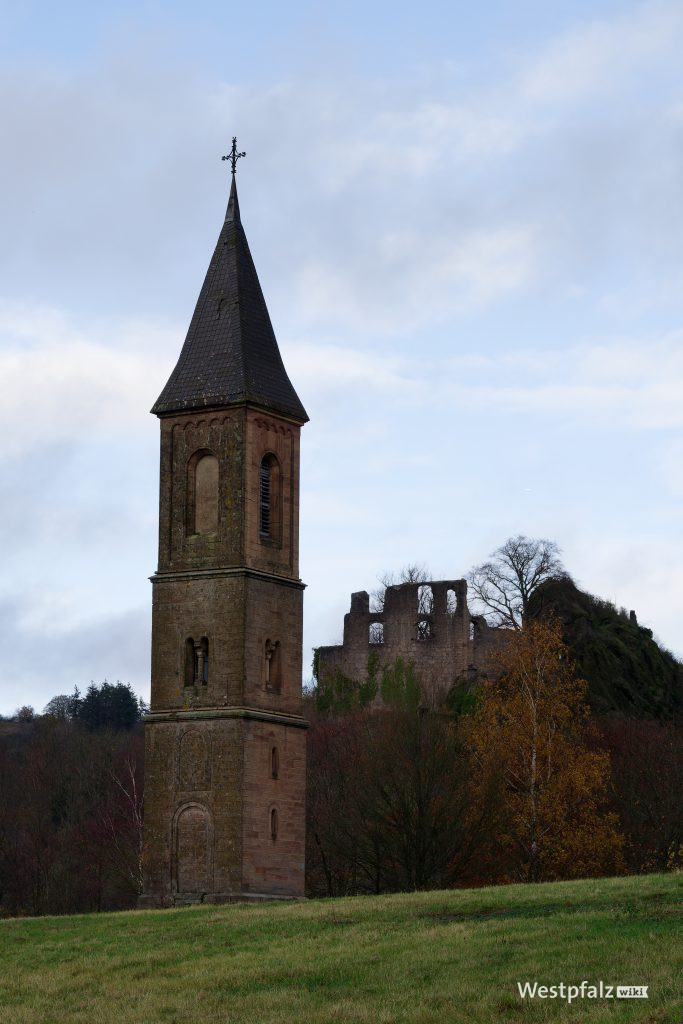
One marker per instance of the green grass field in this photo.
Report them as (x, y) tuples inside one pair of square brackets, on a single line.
[(454, 955)]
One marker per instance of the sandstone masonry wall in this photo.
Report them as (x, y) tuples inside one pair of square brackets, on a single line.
[(427, 624)]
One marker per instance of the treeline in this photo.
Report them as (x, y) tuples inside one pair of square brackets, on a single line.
[(108, 706), (71, 786), (507, 778)]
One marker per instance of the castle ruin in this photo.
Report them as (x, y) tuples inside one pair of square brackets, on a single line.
[(427, 624)]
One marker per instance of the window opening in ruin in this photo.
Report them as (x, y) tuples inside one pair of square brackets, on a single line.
[(424, 629), (471, 631), (451, 602), (273, 824), (273, 665), (274, 763), (425, 600), (376, 633)]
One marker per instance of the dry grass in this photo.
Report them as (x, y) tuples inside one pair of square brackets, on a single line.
[(451, 956)]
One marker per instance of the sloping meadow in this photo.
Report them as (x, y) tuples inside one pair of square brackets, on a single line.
[(452, 955)]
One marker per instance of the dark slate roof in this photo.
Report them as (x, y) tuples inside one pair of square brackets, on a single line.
[(230, 355)]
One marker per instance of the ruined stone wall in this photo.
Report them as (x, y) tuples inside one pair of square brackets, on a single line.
[(427, 624)]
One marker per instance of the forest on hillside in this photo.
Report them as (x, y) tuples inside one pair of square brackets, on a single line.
[(402, 794), (563, 760)]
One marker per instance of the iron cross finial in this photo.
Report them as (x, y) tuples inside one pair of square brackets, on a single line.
[(233, 156)]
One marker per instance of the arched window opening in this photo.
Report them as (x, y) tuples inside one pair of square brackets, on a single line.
[(425, 600), (269, 498), (274, 763), (203, 661), (424, 629), (264, 483), (189, 662), (273, 665), (273, 824), (202, 493), (196, 661), (471, 631), (376, 633), (451, 602)]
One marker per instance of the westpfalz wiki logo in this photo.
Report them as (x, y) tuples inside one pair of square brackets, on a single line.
[(585, 990)]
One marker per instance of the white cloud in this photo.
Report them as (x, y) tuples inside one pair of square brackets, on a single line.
[(639, 572), (414, 201), (600, 54), (334, 366), (420, 138), (489, 263), (426, 278), (65, 384), (629, 383), (375, 209), (670, 464), (39, 664)]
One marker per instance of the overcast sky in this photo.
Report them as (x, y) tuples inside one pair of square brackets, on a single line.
[(468, 225)]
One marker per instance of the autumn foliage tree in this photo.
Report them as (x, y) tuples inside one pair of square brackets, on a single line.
[(531, 739)]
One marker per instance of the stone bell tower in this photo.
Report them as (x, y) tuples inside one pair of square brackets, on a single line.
[(225, 741)]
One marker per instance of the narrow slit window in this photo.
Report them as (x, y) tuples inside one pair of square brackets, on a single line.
[(270, 512), (273, 824), (264, 524)]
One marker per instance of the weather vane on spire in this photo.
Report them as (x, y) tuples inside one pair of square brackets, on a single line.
[(233, 156)]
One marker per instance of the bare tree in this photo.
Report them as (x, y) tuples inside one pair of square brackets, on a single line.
[(123, 820), (412, 573), (503, 586)]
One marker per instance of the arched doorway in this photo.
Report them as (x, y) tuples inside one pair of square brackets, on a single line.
[(192, 848)]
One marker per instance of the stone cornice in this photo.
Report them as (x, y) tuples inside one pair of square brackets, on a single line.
[(204, 410), (207, 714), (223, 571)]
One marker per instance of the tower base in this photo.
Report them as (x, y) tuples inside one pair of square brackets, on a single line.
[(150, 902)]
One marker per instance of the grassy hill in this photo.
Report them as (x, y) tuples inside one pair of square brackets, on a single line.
[(626, 669), (450, 956)]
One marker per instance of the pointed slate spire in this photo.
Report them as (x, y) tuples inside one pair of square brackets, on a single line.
[(230, 355), (233, 210)]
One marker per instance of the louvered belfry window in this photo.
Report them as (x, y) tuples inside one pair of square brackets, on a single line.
[(265, 497)]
